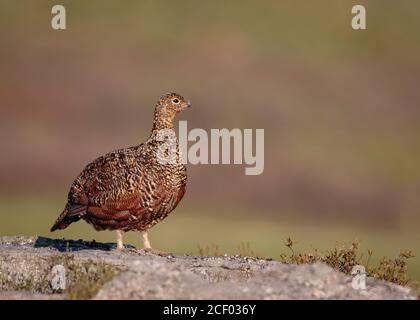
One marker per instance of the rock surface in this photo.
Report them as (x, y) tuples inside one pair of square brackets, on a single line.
[(26, 264)]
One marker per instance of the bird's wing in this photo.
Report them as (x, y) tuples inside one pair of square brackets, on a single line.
[(112, 177)]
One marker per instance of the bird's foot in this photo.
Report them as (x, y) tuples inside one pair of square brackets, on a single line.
[(120, 249)]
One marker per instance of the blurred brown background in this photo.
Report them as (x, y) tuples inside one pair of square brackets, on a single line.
[(340, 109)]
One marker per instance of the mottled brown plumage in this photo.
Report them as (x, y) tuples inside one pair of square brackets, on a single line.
[(132, 188)]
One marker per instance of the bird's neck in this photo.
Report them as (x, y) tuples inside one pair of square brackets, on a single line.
[(162, 121), (163, 135), (162, 124)]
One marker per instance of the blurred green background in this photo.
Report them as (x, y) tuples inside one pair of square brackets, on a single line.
[(340, 109)]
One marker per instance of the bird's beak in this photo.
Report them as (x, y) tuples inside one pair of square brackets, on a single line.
[(189, 105)]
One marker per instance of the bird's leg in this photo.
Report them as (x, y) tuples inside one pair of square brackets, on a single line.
[(120, 245), (147, 247), (146, 242)]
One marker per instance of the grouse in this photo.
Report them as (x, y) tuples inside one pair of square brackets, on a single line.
[(132, 188)]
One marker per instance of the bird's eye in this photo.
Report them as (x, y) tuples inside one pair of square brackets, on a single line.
[(176, 101)]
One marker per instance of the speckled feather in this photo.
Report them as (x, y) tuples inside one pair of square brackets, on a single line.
[(129, 189)]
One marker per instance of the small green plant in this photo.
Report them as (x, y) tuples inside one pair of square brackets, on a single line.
[(393, 270), (212, 250), (341, 258), (246, 251), (344, 258)]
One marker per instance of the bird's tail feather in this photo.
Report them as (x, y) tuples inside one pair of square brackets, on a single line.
[(70, 214)]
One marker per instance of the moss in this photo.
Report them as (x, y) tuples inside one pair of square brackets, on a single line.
[(87, 282), (29, 277), (84, 278), (27, 284)]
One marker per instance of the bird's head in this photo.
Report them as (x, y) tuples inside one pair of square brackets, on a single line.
[(166, 109), (172, 103)]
